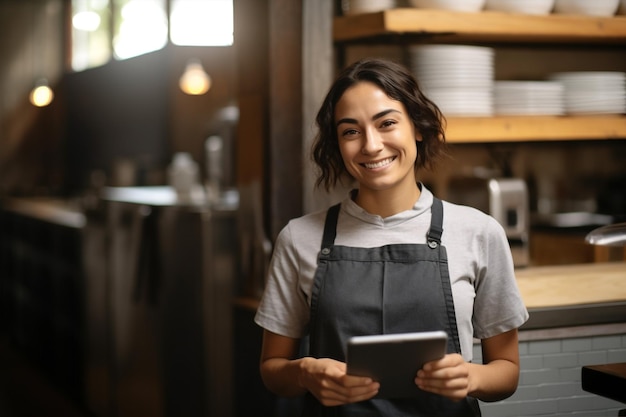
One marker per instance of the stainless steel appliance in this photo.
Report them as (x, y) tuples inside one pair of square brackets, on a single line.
[(506, 199), (160, 305), (608, 235)]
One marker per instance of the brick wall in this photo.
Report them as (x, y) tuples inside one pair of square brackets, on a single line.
[(550, 379)]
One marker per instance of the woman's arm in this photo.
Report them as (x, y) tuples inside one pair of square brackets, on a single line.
[(494, 380), (279, 371), (288, 376), (497, 379)]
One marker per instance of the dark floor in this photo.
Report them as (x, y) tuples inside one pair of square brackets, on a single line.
[(26, 392)]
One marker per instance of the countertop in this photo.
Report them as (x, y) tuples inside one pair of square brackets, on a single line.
[(561, 296), (566, 285), (574, 295), (53, 210), (166, 196)]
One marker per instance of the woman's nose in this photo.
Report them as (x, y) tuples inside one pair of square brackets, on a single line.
[(372, 143)]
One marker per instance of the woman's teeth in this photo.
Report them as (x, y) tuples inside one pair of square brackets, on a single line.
[(378, 164)]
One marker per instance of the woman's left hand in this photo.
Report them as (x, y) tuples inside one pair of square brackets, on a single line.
[(448, 376)]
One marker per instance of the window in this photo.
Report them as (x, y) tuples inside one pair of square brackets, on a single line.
[(140, 27), (202, 22), (91, 44), (122, 29)]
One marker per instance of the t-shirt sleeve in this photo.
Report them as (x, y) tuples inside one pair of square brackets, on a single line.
[(498, 306), (283, 308)]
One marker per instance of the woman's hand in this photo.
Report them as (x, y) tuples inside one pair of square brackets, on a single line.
[(327, 380), (286, 375), (448, 376), (493, 380)]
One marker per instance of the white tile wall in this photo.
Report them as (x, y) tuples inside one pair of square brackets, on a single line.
[(550, 378)]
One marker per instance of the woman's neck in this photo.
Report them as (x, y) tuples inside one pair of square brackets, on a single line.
[(386, 203)]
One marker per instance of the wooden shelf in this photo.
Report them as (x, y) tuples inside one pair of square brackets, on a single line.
[(485, 26), (407, 24), (535, 128)]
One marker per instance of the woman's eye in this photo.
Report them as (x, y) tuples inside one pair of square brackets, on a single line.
[(388, 123), (349, 132)]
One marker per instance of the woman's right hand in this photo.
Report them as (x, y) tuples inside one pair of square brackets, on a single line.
[(327, 380), (287, 375)]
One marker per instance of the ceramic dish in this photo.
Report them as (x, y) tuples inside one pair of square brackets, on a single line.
[(534, 7), (601, 8), (456, 5)]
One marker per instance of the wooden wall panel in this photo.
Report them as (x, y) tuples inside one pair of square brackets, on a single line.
[(285, 169), (268, 40)]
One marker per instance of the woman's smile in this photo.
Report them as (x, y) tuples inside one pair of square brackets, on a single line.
[(379, 164)]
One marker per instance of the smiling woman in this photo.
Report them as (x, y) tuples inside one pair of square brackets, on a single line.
[(389, 258)]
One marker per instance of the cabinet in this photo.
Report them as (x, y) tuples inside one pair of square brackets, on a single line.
[(407, 25), (41, 287)]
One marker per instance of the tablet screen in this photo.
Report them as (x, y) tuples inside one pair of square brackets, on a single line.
[(394, 359)]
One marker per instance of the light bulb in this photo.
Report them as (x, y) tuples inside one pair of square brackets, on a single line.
[(195, 81), (42, 94)]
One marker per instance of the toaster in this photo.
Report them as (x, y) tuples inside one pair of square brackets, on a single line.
[(506, 200)]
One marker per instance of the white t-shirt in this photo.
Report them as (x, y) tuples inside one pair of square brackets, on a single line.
[(486, 297)]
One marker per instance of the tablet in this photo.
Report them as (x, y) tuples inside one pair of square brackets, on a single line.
[(394, 359)]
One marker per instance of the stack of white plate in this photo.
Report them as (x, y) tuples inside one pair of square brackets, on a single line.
[(534, 7), (458, 78), (593, 92), (456, 5), (352, 7), (529, 98)]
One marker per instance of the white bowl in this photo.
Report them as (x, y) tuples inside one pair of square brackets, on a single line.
[(602, 8), (534, 7), (456, 5), (353, 7)]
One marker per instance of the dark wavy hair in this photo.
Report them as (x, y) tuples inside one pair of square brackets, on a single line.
[(399, 84)]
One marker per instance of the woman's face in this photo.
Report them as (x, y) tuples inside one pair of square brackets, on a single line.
[(376, 138)]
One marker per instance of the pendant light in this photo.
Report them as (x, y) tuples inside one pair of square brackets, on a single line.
[(41, 95), (195, 81)]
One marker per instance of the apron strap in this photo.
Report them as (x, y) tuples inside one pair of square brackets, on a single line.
[(330, 227), (436, 224), (434, 240)]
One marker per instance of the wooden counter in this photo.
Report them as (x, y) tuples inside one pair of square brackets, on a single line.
[(574, 295), (567, 285), (560, 296), (552, 286)]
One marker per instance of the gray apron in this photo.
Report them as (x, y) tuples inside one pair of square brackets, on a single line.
[(390, 289)]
